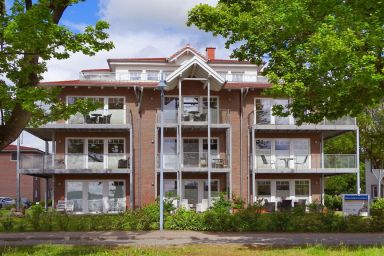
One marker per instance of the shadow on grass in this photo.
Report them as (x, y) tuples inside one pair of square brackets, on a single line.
[(56, 250)]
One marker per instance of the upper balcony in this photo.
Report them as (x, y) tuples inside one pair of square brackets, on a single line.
[(75, 163), (312, 163), (154, 75), (195, 162), (220, 118)]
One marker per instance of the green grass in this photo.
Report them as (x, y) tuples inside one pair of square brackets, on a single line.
[(222, 250)]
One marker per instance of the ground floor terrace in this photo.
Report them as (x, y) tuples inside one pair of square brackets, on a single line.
[(279, 191), (93, 193)]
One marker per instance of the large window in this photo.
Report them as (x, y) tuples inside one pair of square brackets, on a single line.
[(96, 196), (195, 152), (263, 188), (153, 75), (282, 189), (264, 106), (135, 75), (111, 111), (302, 188), (99, 153), (282, 153)]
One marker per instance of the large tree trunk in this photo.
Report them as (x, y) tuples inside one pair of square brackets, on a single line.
[(12, 129)]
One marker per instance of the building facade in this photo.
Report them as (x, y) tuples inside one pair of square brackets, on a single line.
[(30, 187), (220, 136)]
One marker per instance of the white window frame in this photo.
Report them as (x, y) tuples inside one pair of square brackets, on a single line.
[(105, 108), (105, 192), (291, 120), (292, 196), (200, 187), (85, 149), (201, 139), (291, 151)]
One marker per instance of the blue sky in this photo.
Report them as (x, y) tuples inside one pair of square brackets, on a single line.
[(138, 28)]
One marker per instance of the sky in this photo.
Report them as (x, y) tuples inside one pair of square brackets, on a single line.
[(138, 28)]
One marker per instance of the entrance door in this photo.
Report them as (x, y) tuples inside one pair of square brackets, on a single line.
[(191, 192)]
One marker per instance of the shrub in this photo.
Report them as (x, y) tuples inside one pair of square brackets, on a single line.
[(8, 223), (333, 202), (185, 220), (35, 215)]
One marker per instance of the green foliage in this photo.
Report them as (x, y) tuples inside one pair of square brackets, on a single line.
[(185, 220), (35, 215), (333, 202), (30, 36), (327, 56)]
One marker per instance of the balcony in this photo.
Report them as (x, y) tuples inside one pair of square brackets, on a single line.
[(75, 163), (155, 76), (101, 116), (195, 161), (264, 120), (333, 163), (219, 117)]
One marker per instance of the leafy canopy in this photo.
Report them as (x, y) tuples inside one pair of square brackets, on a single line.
[(326, 55), (31, 35)]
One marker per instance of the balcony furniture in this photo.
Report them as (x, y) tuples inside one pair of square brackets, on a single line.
[(184, 204), (286, 160), (302, 163), (122, 163), (97, 117), (219, 163), (65, 206), (265, 161), (300, 203), (106, 119), (285, 205), (203, 206), (96, 157), (90, 119), (194, 116), (203, 117), (203, 162), (59, 164), (270, 206)]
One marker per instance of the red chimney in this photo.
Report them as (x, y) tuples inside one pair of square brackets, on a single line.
[(210, 53)]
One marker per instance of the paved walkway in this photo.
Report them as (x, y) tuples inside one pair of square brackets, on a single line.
[(156, 238)]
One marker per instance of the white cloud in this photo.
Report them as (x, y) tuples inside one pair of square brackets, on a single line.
[(146, 28)]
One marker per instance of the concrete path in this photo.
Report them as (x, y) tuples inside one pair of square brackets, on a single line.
[(156, 238)]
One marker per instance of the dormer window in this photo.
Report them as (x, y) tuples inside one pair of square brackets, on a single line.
[(135, 75), (237, 76), (153, 75)]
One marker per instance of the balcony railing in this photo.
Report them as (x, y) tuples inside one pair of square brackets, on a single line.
[(218, 116), (101, 116), (265, 118), (90, 161), (141, 76), (305, 162), (195, 160)]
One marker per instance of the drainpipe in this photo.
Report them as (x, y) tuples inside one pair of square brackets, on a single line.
[(18, 174), (358, 159), (209, 143)]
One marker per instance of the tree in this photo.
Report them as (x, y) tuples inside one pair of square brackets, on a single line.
[(325, 55), (31, 35)]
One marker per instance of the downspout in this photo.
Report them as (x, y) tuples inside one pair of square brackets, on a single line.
[(139, 101)]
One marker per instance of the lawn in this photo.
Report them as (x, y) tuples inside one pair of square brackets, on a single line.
[(222, 250)]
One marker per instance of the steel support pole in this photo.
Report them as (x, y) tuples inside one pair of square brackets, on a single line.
[(131, 175), (230, 164), (209, 143), (253, 166), (45, 167), (358, 160), (18, 174), (179, 142), (161, 161)]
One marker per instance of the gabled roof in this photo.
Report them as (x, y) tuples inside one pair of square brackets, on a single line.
[(137, 60), (195, 68), (13, 148), (187, 48)]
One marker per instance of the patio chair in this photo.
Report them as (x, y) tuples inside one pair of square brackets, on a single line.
[(122, 163), (65, 206), (203, 206), (184, 204), (106, 119), (90, 119), (203, 162), (286, 205), (302, 163), (265, 161)]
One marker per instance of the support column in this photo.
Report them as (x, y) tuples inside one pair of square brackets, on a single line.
[(229, 138), (179, 142), (322, 150), (53, 191), (53, 149), (253, 165), (358, 160), (209, 143), (322, 189), (18, 174), (131, 175), (46, 195)]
